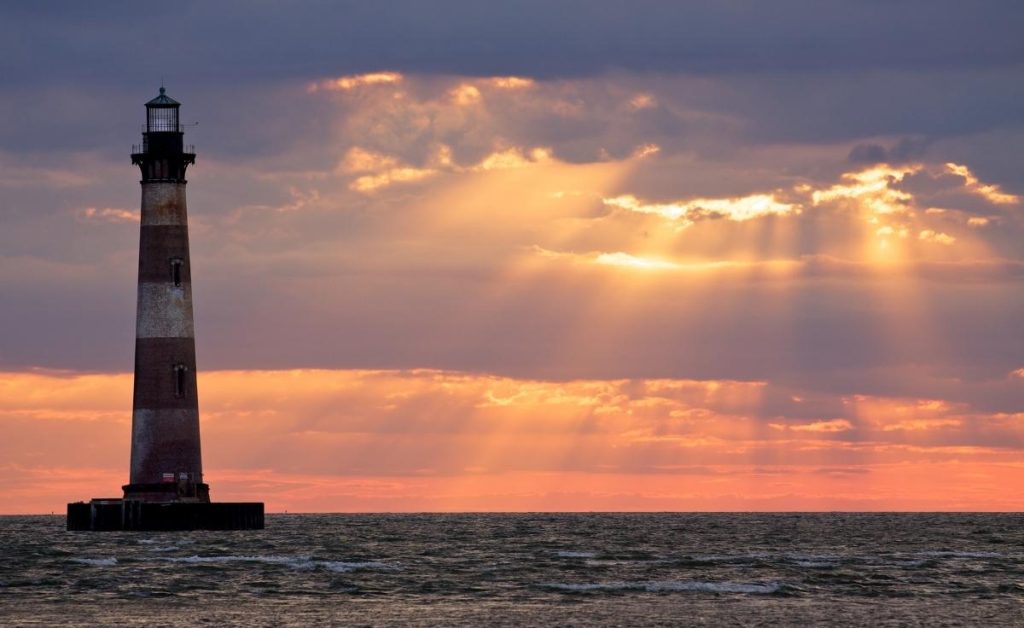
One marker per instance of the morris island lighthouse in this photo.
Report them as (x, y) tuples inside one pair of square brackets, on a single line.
[(165, 490)]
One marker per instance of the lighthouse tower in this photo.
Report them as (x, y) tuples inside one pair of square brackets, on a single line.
[(165, 490), (166, 462)]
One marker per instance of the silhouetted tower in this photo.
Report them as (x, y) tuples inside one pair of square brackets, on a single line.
[(166, 462), (166, 490)]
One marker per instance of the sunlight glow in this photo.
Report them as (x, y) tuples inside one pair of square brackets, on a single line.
[(369, 183), (346, 83), (643, 101), (107, 214), (928, 235), (687, 212), (427, 439), (872, 188), (512, 82), (378, 170), (779, 267), (465, 95), (513, 158), (630, 261), (992, 193), (358, 159), (646, 150), (832, 425)]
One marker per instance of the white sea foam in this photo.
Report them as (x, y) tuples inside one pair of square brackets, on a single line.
[(952, 554), (99, 562), (166, 542), (671, 586), (610, 562), (344, 567), (298, 562), (736, 558), (814, 561), (294, 562), (572, 554), (715, 587), (815, 564), (903, 562)]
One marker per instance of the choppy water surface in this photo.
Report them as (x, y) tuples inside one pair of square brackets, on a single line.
[(569, 569)]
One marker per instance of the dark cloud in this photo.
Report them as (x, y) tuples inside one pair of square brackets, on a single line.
[(729, 74), (118, 41), (905, 150), (744, 98), (868, 154)]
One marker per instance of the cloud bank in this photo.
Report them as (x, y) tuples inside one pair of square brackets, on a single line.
[(447, 255)]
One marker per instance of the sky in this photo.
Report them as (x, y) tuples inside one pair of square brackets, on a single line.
[(465, 256)]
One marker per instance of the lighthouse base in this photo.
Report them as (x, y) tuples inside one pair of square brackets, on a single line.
[(129, 515)]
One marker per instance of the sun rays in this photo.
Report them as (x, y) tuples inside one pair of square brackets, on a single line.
[(506, 292), (456, 440)]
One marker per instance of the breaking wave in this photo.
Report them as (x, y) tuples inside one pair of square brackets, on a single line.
[(671, 586), (952, 554), (572, 554), (294, 562), (99, 562)]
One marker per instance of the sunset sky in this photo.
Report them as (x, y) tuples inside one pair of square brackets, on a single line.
[(531, 256)]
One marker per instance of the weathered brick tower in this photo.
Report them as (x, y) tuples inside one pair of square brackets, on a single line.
[(166, 463), (166, 488)]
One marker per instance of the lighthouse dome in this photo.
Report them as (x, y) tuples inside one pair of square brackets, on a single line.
[(163, 100), (162, 114)]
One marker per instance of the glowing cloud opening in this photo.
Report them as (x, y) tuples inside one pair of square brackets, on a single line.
[(738, 209), (347, 83), (992, 193)]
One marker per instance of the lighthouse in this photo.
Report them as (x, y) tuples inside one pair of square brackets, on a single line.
[(166, 461), (166, 489)]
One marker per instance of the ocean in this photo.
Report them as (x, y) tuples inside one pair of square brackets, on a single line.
[(524, 569)]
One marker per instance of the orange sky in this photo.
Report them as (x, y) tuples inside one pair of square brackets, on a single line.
[(507, 293), (316, 440)]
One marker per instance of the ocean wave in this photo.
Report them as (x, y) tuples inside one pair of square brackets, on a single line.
[(616, 562), (815, 561), (671, 586), (816, 564), (294, 562), (162, 545), (909, 564), (833, 561), (955, 554), (344, 567), (573, 554), (99, 562), (730, 559), (899, 561)]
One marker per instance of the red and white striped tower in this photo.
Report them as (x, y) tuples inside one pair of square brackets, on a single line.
[(166, 461), (166, 489)]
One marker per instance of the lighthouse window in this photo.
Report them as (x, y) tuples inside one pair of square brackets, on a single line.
[(162, 119), (179, 380), (176, 271)]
